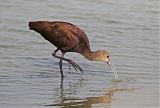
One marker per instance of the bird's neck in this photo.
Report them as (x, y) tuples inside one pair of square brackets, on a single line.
[(91, 55)]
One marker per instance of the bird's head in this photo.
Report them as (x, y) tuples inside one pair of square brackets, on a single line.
[(39, 26), (104, 56)]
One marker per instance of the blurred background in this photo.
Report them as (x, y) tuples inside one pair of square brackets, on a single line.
[(30, 77)]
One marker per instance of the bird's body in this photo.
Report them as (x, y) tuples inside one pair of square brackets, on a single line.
[(68, 38)]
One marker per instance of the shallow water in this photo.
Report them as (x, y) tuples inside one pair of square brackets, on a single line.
[(30, 77)]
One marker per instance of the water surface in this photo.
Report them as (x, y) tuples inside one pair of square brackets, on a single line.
[(30, 77)]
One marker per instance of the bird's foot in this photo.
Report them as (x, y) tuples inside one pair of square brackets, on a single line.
[(74, 65)]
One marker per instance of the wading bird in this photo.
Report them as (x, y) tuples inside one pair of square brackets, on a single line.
[(69, 38)]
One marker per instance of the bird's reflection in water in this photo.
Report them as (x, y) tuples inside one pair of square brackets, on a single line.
[(87, 103), (70, 102)]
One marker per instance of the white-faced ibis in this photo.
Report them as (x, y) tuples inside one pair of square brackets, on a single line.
[(69, 38)]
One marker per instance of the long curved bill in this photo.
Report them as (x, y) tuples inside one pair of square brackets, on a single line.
[(114, 70)]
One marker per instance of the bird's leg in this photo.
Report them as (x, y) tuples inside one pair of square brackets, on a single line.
[(75, 65), (69, 66), (54, 53), (60, 65)]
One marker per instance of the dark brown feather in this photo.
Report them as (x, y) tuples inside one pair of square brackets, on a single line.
[(65, 36)]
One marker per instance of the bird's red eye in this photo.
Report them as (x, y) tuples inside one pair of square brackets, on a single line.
[(107, 56)]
